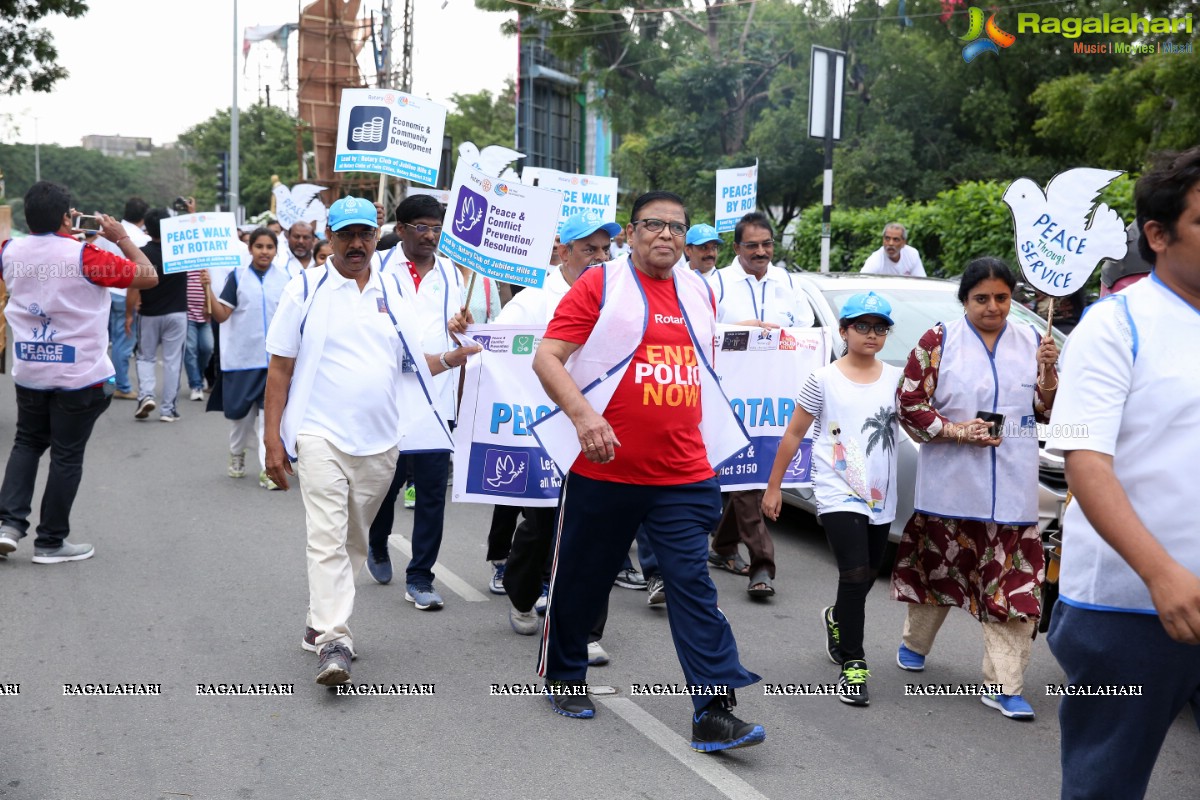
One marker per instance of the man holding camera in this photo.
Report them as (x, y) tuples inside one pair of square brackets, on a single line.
[(59, 309)]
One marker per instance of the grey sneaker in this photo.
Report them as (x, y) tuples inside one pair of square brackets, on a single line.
[(145, 406), (630, 579), (525, 623), (656, 591), (67, 551), (8, 540), (334, 667), (425, 598)]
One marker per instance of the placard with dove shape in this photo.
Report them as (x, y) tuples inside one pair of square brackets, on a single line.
[(301, 203), (1062, 234)]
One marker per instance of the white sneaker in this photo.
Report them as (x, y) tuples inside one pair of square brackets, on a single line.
[(597, 657), (197, 394), (237, 465)]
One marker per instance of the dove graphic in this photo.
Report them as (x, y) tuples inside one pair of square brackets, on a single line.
[(1062, 234), (506, 471), (492, 160), (301, 203)]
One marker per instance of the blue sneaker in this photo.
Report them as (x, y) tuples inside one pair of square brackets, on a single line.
[(570, 699), (496, 586), (539, 605), (907, 659), (423, 597), (379, 564), (1012, 706)]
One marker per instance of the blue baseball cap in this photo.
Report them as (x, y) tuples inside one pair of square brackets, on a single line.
[(352, 211), (702, 234), (866, 304), (584, 224)]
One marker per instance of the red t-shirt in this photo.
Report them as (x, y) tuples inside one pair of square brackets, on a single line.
[(107, 269), (655, 411)]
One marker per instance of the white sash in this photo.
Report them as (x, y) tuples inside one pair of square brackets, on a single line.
[(598, 366)]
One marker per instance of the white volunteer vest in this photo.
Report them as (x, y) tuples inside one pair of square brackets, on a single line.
[(244, 334), (419, 427), (598, 366), (59, 318), (994, 483)]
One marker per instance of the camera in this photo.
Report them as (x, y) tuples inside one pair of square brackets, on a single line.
[(180, 205)]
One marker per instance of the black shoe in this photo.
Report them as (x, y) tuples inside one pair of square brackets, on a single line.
[(715, 728), (379, 564), (334, 668), (833, 637), (852, 685), (570, 699)]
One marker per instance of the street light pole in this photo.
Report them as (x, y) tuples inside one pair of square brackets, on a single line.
[(233, 124), (37, 153)]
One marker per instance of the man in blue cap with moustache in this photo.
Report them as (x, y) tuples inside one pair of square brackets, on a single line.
[(701, 247)]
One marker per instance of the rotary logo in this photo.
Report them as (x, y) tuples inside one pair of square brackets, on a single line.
[(389, 98), (486, 185)]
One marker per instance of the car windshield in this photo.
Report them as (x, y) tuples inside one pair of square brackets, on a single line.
[(917, 310)]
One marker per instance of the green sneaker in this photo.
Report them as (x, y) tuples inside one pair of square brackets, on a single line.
[(833, 636), (410, 496), (852, 685)]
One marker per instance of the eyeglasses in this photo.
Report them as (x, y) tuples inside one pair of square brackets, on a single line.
[(424, 229), (349, 236), (880, 328), (769, 244), (656, 225)]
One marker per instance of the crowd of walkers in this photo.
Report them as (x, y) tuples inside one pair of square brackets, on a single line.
[(337, 358)]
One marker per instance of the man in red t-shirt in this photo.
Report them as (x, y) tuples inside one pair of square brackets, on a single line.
[(643, 462)]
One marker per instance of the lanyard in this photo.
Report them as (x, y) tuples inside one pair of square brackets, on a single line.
[(759, 315)]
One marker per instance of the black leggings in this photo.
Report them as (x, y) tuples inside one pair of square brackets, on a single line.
[(858, 547)]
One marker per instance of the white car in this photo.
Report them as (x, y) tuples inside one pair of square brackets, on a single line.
[(917, 305)]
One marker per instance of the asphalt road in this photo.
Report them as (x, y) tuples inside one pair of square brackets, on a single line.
[(200, 579)]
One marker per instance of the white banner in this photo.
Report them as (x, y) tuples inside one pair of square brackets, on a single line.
[(502, 230), (497, 460), (391, 133), (761, 372), (580, 192), (200, 241), (737, 195)]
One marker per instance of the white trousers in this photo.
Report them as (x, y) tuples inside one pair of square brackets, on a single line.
[(341, 494), (245, 432)]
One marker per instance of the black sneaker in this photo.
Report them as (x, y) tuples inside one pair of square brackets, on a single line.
[(833, 637), (309, 642), (852, 685), (334, 668), (715, 728), (570, 699)]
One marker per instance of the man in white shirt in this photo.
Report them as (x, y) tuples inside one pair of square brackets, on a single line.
[(1128, 616), (336, 406), (620, 248), (701, 246), (439, 293), (895, 257), (754, 292), (298, 254)]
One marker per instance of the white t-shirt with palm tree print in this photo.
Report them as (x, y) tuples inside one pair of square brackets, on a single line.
[(855, 435)]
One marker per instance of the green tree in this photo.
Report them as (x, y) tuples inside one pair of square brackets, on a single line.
[(483, 118), (268, 144), (97, 182), (27, 53)]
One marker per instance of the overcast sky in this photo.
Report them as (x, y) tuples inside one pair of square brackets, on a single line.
[(156, 67)]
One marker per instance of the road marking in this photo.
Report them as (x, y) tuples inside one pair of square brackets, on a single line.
[(703, 765), (456, 584)]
